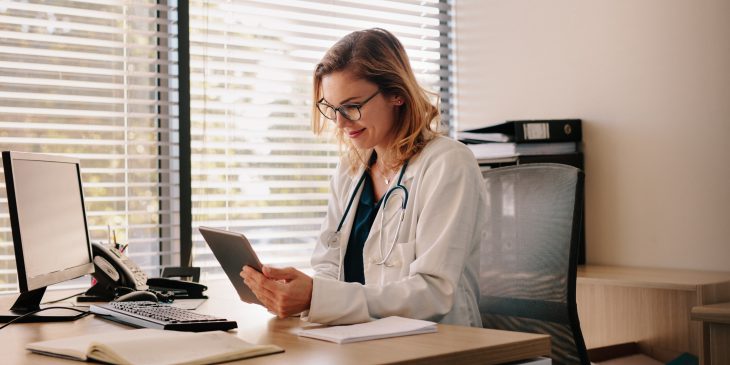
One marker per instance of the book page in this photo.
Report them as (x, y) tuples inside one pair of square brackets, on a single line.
[(153, 346), (172, 347), (77, 347)]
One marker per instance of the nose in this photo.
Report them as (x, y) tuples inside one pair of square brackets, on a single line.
[(341, 120)]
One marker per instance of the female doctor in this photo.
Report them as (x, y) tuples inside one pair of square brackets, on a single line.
[(407, 207)]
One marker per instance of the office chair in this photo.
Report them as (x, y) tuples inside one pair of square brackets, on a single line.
[(529, 255)]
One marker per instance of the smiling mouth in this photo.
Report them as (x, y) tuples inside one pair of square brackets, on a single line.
[(355, 134)]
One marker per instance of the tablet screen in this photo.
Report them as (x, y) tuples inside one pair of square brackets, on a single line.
[(233, 252)]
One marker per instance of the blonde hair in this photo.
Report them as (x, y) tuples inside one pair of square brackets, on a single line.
[(377, 56)]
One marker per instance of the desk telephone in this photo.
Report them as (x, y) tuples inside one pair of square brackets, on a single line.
[(116, 274)]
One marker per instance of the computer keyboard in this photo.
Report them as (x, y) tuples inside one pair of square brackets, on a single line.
[(161, 316)]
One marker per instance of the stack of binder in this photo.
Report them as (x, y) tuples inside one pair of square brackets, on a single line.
[(529, 141), (525, 141)]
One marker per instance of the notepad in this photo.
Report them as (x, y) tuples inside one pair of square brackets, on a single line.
[(153, 346), (381, 328)]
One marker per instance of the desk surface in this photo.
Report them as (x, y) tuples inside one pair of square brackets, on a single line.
[(453, 344)]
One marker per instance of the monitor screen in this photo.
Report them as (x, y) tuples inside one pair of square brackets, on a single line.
[(48, 218)]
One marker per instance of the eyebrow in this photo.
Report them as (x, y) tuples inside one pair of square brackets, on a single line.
[(344, 101)]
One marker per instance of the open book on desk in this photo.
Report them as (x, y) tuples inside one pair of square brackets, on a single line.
[(381, 328), (153, 346)]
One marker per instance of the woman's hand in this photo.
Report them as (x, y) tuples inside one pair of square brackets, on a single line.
[(284, 292)]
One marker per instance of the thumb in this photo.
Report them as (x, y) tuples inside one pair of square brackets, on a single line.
[(286, 273)]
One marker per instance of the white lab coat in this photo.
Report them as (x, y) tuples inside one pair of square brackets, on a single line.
[(433, 270)]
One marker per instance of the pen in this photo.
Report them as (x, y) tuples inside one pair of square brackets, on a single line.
[(119, 246)]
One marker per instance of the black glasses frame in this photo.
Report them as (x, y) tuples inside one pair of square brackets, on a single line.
[(323, 108)]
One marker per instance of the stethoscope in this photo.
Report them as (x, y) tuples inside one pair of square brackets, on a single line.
[(391, 192)]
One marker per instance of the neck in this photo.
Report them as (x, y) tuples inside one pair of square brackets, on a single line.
[(382, 154), (383, 169)]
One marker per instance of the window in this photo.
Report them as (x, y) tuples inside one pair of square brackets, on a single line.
[(256, 167), (97, 80)]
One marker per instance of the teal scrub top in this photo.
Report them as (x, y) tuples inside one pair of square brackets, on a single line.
[(367, 209)]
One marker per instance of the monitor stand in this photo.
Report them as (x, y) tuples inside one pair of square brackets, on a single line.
[(31, 301)]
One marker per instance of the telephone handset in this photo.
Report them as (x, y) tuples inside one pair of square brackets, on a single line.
[(114, 270), (116, 274)]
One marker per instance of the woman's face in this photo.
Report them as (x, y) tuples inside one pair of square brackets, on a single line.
[(374, 129)]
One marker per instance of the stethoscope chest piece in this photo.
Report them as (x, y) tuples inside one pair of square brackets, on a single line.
[(333, 240)]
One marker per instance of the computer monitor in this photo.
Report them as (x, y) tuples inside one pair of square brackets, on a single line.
[(50, 235)]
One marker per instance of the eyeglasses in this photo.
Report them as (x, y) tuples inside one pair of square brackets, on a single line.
[(351, 112)]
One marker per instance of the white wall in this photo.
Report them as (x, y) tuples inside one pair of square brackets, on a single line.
[(651, 81)]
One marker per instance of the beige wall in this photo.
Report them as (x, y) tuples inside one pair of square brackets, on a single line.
[(651, 81)]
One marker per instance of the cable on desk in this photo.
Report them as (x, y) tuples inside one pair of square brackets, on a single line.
[(81, 315)]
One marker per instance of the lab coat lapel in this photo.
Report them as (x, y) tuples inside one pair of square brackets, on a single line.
[(350, 219)]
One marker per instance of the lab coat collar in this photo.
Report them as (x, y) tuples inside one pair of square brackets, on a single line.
[(407, 176)]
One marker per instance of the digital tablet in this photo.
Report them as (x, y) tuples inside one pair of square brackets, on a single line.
[(233, 251)]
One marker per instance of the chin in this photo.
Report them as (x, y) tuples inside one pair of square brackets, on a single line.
[(361, 143)]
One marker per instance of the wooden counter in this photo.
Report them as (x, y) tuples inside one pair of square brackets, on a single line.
[(648, 306), (715, 319)]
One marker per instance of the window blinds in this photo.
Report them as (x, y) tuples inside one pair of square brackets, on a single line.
[(256, 167), (97, 80)]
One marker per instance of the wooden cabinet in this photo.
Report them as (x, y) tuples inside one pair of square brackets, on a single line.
[(649, 306), (715, 319)]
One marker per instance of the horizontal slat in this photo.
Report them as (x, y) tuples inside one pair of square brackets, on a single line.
[(96, 214), (237, 198), (79, 113), (61, 24), (83, 70), (248, 210), (93, 14), (257, 184), (80, 56), (273, 171), (79, 99), (41, 39), (262, 92), (73, 141), (265, 146), (253, 223), (261, 122), (241, 132), (63, 83), (275, 159), (79, 127)]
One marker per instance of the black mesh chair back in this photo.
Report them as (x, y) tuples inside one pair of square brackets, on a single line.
[(528, 257)]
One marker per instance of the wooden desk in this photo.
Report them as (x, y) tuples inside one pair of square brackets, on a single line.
[(716, 320), (452, 344), (648, 306)]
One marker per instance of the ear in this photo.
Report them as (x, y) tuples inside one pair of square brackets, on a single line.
[(397, 100)]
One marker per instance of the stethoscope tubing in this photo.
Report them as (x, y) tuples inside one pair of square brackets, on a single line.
[(404, 204)]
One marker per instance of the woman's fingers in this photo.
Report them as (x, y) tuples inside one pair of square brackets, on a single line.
[(284, 292)]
